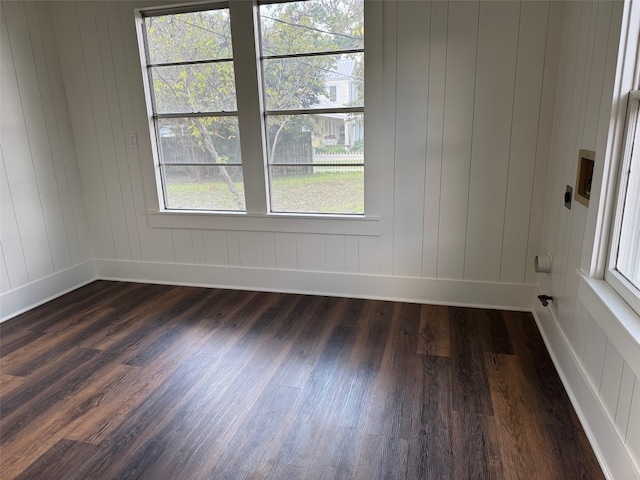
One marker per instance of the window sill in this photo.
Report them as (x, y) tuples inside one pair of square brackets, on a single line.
[(285, 223), (617, 319)]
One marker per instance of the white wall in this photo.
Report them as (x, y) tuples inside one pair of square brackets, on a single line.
[(601, 377), (468, 101), (44, 248)]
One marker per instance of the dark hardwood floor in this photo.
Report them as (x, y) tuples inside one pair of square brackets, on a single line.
[(119, 380)]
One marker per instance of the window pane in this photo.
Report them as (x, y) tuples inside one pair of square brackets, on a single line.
[(310, 82), (309, 189), (194, 88), (312, 26), (188, 37), (203, 187), (305, 139), (628, 262), (199, 140)]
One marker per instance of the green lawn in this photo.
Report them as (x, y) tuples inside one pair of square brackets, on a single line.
[(320, 192)]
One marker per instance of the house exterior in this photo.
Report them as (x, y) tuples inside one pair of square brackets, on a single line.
[(342, 90)]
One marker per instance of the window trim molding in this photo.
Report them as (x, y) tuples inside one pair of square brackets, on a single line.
[(273, 222), (256, 192), (615, 316), (627, 77), (623, 287), (151, 182)]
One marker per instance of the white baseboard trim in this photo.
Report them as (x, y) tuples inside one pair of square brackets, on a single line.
[(406, 289), (612, 454), (36, 293)]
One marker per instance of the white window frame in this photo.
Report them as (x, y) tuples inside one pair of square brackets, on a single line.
[(627, 290), (248, 75), (161, 178), (265, 57), (333, 93)]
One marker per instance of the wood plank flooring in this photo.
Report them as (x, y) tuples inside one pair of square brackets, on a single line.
[(122, 380)]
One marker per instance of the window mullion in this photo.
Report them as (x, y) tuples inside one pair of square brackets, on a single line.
[(250, 118)]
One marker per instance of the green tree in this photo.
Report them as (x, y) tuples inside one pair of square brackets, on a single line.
[(196, 88), (298, 28)]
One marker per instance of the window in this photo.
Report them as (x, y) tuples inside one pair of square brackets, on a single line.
[(191, 75), (624, 264), (310, 140), (333, 93)]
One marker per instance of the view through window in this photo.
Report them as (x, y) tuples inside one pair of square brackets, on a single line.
[(312, 88), (313, 64), (191, 74)]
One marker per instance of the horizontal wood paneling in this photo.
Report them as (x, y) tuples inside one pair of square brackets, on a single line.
[(43, 222)]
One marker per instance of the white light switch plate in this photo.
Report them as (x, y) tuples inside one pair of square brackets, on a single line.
[(133, 140)]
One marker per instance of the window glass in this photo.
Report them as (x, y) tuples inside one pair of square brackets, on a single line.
[(312, 26), (204, 187), (196, 88), (310, 170), (309, 121), (189, 37), (313, 82), (314, 96), (191, 76), (317, 189)]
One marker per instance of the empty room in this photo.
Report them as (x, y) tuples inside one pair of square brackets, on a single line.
[(320, 239)]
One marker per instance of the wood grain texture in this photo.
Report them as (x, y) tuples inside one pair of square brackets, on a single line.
[(120, 380), (434, 331)]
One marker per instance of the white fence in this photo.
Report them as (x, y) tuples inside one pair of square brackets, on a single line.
[(337, 159)]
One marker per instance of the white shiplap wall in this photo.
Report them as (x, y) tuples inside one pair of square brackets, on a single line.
[(468, 94), (606, 390), (43, 227)]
